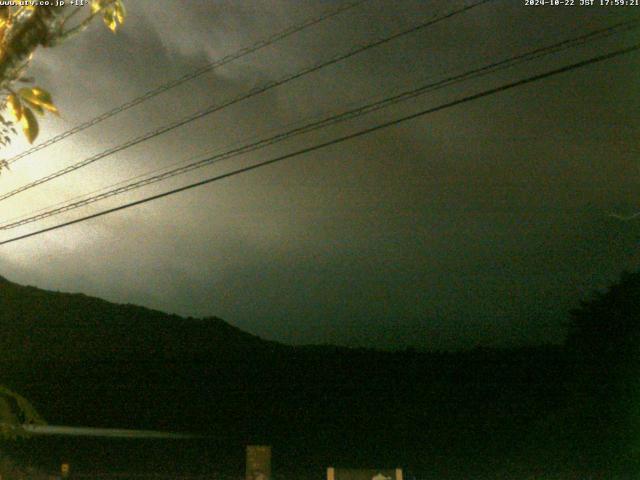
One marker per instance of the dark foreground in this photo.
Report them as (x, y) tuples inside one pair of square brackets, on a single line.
[(566, 411)]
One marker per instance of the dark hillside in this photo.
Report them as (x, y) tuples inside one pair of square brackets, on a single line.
[(85, 361)]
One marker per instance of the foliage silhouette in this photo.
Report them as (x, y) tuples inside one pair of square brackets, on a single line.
[(603, 344), (24, 27)]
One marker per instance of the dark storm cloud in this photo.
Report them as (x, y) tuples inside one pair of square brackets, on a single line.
[(481, 224)]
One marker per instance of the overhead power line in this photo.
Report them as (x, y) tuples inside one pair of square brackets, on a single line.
[(105, 432), (256, 91), (331, 120), (143, 175), (259, 45), (366, 131)]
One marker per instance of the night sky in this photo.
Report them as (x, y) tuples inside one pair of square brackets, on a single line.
[(482, 224)]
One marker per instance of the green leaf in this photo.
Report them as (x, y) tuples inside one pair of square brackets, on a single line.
[(15, 107), (120, 11), (96, 6), (38, 98), (109, 17), (29, 125)]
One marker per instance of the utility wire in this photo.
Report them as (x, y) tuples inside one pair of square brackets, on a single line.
[(208, 152), (331, 120), (335, 141), (105, 432), (292, 30), (256, 91)]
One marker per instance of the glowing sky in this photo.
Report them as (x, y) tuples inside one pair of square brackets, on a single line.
[(481, 224)]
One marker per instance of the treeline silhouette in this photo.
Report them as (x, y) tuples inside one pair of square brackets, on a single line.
[(566, 411)]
